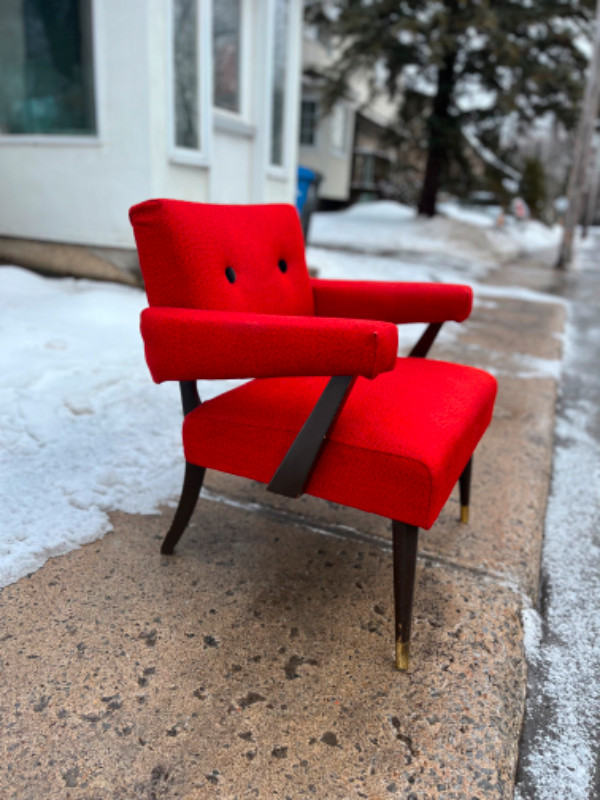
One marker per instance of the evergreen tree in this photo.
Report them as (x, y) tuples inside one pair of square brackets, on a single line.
[(468, 71), (533, 186)]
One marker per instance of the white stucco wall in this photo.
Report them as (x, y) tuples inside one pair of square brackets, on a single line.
[(334, 166), (79, 191), (237, 168)]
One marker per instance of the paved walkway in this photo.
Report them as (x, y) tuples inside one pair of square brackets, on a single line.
[(258, 661)]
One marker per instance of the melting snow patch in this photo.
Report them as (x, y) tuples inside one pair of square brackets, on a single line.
[(516, 293), (532, 633), (84, 430), (451, 267), (459, 234), (534, 367)]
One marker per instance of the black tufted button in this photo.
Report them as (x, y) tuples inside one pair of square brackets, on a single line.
[(230, 273), (282, 264)]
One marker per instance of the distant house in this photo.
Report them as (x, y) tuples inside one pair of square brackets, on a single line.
[(374, 158), (104, 103), (348, 145)]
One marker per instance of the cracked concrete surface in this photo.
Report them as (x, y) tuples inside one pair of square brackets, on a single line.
[(258, 661)]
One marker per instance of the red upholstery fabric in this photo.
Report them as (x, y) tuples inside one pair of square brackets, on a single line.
[(392, 302), (185, 248), (397, 448), (184, 344), (230, 296)]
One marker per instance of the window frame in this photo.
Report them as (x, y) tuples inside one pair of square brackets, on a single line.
[(310, 98), (235, 121), (71, 139), (279, 171), (186, 155), (341, 108)]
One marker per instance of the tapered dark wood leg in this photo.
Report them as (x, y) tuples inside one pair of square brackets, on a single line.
[(405, 561), (464, 484), (192, 483)]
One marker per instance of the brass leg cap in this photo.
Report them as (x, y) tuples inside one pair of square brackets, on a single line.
[(402, 654), (464, 513)]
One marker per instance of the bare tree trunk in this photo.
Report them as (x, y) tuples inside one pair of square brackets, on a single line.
[(440, 125), (592, 192), (579, 168)]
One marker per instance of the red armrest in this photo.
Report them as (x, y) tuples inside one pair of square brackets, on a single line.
[(188, 344), (392, 302)]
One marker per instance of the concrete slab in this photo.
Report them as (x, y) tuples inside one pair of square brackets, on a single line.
[(515, 330), (257, 662)]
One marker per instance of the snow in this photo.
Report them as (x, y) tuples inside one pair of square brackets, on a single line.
[(483, 216), (85, 431), (525, 237), (382, 210), (535, 367), (516, 293), (532, 632), (463, 236), (487, 155)]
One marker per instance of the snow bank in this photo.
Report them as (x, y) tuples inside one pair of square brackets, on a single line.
[(459, 234), (382, 209), (527, 237), (349, 265), (84, 430)]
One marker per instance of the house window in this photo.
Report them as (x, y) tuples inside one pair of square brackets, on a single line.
[(185, 74), (189, 81), (309, 117), (338, 129), (46, 64), (226, 54), (278, 82), (364, 170)]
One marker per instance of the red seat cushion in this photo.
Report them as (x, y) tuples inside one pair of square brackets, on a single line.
[(397, 448)]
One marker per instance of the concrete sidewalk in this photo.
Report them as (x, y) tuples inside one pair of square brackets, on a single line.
[(258, 661)]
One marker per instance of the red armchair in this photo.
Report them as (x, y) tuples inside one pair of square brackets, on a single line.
[(331, 411)]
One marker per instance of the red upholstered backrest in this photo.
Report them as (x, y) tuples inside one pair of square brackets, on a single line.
[(234, 258)]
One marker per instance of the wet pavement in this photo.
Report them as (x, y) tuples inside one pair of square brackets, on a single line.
[(560, 749)]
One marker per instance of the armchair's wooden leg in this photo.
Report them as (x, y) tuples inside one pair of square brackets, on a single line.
[(192, 483), (405, 560), (464, 483)]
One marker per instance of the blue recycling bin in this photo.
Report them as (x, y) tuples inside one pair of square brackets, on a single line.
[(307, 195)]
